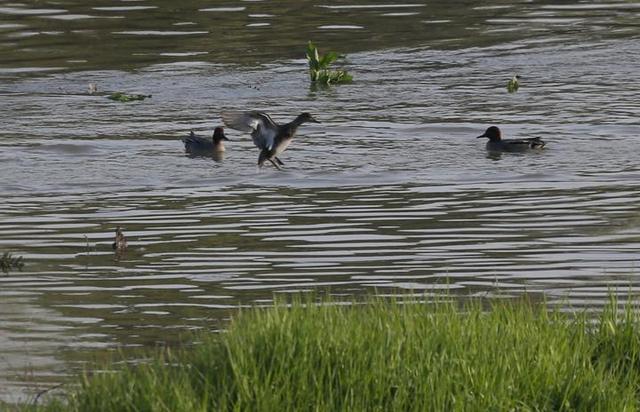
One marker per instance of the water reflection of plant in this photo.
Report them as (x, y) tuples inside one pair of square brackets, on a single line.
[(126, 98), (319, 67), (9, 262)]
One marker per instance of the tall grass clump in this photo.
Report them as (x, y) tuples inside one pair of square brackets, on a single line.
[(319, 72), (387, 355)]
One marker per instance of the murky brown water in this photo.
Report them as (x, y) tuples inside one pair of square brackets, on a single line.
[(392, 192)]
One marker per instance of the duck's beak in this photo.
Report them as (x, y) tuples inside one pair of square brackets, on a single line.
[(479, 137), (313, 120), (225, 138)]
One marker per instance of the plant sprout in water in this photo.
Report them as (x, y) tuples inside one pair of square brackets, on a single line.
[(319, 67), (513, 84)]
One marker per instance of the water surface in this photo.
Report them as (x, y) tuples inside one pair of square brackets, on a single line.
[(390, 194)]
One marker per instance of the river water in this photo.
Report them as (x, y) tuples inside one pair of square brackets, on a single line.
[(390, 194)]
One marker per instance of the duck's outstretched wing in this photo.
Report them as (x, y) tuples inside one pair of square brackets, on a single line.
[(248, 121), (262, 128)]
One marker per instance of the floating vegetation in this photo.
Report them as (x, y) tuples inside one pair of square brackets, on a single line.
[(126, 98), (319, 67), (9, 262), (513, 84)]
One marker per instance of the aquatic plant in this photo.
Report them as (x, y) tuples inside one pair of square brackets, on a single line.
[(387, 355), (513, 84), (9, 262), (319, 71), (126, 98)]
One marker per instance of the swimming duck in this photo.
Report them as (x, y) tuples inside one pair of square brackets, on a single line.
[(120, 242), (199, 144), (497, 144), (271, 138)]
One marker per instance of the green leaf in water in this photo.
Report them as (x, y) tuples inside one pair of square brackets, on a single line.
[(513, 84), (319, 71)]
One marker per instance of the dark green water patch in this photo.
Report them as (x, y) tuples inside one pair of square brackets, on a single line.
[(72, 35)]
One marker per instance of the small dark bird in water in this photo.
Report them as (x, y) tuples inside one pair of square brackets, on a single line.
[(497, 144), (271, 138), (120, 242), (199, 144)]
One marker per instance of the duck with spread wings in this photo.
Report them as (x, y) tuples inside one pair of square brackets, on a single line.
[(271, 138)]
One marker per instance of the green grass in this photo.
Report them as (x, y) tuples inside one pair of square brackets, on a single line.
[(387, 356)]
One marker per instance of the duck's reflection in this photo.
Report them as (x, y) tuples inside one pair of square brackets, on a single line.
[(216, 156)]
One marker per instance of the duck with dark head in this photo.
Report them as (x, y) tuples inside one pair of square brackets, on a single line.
[(497, 144), (200, 145)]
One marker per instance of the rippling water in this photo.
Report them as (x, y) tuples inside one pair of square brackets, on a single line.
[(392, 192)]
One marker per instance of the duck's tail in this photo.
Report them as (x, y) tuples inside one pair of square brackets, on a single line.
[(537, 143)]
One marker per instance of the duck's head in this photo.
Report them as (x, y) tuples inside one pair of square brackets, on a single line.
[(306, 117), (218, 135), (492, 133)]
